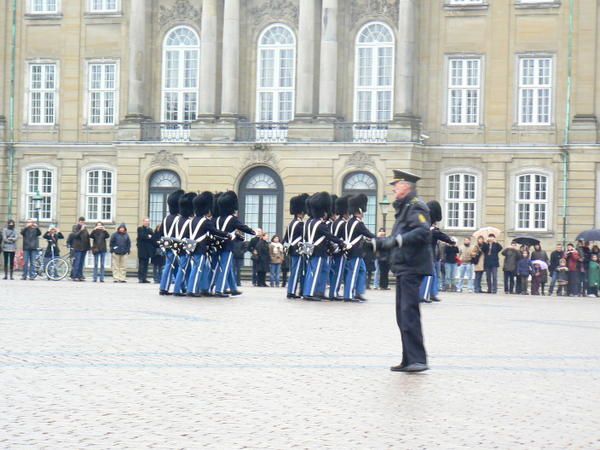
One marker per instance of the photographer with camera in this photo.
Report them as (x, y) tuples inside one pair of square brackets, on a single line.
[(99, 235), (81, 245), (52, 236), (31, 242)]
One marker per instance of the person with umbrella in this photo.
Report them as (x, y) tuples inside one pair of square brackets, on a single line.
[(539, 273), (491, 249), (511, 258)]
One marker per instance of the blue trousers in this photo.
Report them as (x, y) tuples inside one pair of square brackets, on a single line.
[(200, 274), (356, 277), (314, 270), (225, 277), (336, 274), (324, 276), (183, 272), (29, 257), (295, 274), (168, 271)]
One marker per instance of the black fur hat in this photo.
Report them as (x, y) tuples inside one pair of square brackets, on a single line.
[(435, 211), (173, 201), (331, 211), (307, 206), (298, 204), (341, 205), (228, 203), (357, 204), (186, 204), (203, 203), (215, 206), (320, 204)]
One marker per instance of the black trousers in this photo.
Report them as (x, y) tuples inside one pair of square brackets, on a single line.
[(384, 275), (237, 268), (261, 279), (9, 262), (509, 282), (408, 318), (143, 268)]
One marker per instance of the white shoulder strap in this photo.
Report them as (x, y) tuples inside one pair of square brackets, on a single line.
[(194, 233), (169, 233)]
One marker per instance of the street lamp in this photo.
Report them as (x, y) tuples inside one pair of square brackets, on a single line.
[(37, 205), (385, 206)]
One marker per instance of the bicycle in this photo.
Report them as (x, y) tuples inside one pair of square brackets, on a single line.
[(55, 269)]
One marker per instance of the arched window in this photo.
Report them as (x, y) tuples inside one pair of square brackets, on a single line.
[(40, 181), (162, 183), (364, 183), (181, 50), (374, 78), (261, 200), (460, 200), (276, 78), (99, 195), (532, 202)]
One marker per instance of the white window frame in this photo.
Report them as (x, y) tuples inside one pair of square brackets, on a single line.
[(27, 194), (531, 202), (536, 88), (103, 9), (276, 90), (461, 200), (86, 194), (54, 91), (464, 88), (465, 2), (44, 9), (181, 90), (115, 90), (374, 89)]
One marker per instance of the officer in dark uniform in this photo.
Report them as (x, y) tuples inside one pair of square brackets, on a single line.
[(167, 230), (411, 260), (292, 240)]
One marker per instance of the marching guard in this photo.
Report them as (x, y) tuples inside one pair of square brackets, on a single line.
[(167, 232), (292, 241), (355, 283), (228, 223), (338, 259), (182, 234)]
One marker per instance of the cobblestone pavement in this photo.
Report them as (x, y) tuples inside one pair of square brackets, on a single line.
[(85, 365)]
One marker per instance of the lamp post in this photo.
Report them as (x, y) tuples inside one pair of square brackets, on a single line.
[(37, 205), (384, 204)]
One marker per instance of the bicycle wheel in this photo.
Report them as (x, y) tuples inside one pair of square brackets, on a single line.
[(38, 268), (57, 269)]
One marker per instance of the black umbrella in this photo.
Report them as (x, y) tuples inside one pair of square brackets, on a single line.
[(589, 235), (526, 240)]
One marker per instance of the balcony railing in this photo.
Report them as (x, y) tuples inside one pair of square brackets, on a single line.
[(166, 131), (361, 132), (268, 132)]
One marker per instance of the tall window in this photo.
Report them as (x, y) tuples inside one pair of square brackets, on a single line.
[(162, 183), (461, 195), (39, 181), (535, 91), (180, 75), (103, 6), (532, 202), (464, 91), (44, 6), (102, 92), (374, 85), (364, 183), (42, 94), (99, 195), (276, 75)]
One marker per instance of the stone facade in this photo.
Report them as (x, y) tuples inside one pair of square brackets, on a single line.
[(320, 147)]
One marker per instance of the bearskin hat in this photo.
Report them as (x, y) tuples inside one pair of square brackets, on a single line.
[(331, 211), (186, 204), (307, 206), (228, 203), (203, 203), (435, 211), (173, 201), (341, 205), (357, 204), (215, 206), (298, 204), (320, 204)]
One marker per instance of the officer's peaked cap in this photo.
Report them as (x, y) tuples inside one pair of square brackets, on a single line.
[(401, 175)]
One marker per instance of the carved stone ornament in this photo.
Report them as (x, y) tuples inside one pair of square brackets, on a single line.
[(260, 10), (261, 154), (362, 8), (181, 11), (163, 158), (360, 160)]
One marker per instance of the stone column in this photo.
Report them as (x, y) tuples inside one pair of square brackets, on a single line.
[(136, 42), (306, 60), (328, 60), (231, 58), (405, 58), (208, 59)]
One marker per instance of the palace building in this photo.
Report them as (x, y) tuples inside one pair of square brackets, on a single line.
[(116, 103)]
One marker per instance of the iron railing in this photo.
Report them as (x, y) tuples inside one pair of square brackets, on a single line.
[(269, 132), (166, 131), (362, 132)]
